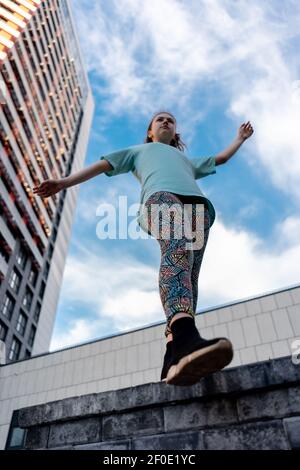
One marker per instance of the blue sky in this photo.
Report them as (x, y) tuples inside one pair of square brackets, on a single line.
[(214, 64)]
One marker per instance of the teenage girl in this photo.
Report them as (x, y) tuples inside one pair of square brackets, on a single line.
[(168, 183)]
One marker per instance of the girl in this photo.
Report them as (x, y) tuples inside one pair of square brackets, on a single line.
[(168, 180)]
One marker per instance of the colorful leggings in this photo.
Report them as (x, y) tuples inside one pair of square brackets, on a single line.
[(180, 266)]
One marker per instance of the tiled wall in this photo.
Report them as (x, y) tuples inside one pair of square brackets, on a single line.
[(259, 328)]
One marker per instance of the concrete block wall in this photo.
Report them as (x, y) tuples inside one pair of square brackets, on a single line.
[(255, 406), (259, 328)]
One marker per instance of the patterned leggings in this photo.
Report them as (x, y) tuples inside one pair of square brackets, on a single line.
[(180, 266)]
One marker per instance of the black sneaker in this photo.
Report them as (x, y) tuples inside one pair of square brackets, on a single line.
[(193, 356)]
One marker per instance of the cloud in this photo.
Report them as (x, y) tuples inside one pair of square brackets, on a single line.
[(239, 50)]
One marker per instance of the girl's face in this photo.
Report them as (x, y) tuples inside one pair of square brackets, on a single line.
[(163, 128)]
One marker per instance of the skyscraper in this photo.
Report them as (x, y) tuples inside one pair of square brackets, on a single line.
[(45, 116)]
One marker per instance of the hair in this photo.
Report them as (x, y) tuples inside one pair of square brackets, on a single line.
[(176, 142)]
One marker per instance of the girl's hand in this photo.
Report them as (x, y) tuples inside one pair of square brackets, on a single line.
[(48, 188), (245, 131)]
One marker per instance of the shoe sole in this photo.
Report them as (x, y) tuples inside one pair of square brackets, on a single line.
[(200, 363)]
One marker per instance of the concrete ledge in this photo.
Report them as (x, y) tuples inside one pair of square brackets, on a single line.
[(255, 406)]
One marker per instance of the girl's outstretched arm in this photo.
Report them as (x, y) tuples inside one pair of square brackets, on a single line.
[(244, 132), (52, 186)]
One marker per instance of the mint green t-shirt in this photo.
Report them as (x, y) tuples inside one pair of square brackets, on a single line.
[(161, 167)]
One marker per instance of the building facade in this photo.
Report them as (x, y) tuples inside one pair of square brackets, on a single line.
[(45, 117)]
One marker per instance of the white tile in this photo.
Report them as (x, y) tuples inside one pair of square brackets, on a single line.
[(236, 335), (160, 331), (113, 383), (56, 358), (86, 351), (77, 372), (104, 346), (207, 333), (220, 330), (58, 377), (126, 341), (109, 360), (251, 332), (41, 398), (224, 315), (94, 348), (211, 318), (137, 337), (282, 324), (144, 357), (131, 359), (5, 410), (156, 358), (266, 327), (283, 299), (295, 293), (40, 380), (253, 307), (236, 361), (267, 303), (201, 320), (3, 435), (294, 316), (264, 352), (101, 386), (50, 396), (116, 343), (37, 363), (137, 378), (239, 311), (248, 355), (125, 381), (68, 373), (281, 348), (98, 367), (91, 387), (120, 362), (148, 335), (80, 390), (150, 376), (6, 371)]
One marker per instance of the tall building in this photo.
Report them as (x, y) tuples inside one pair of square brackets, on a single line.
[(45, 116)]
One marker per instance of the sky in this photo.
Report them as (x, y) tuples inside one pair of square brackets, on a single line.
[(214, 64)]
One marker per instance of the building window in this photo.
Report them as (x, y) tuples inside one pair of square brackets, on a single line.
[(14, 350), (33, 276), (21, 324), (37, 312), (27, 354), (31, 336), (3, 331), (22, 258), (8, 306), (50, 251), (3, 249), (42, 289), (54, 234), (15, 281), (46, 270), (27, 299)]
